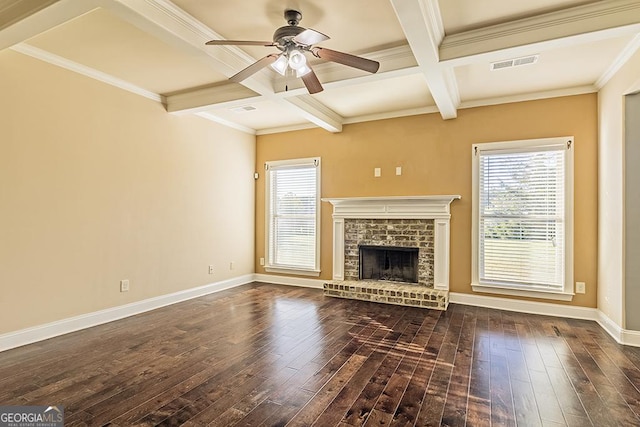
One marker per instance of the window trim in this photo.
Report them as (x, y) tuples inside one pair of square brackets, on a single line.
[(269, 166), (567, 293)]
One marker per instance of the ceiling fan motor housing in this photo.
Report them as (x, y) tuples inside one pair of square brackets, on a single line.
[(283, 35)]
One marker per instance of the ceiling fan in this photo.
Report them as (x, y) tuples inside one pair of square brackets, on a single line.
[(293, 41)]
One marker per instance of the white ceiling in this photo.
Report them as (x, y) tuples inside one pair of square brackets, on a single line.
[(435, 55)]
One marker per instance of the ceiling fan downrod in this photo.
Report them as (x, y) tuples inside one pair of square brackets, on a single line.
[(293, 17)]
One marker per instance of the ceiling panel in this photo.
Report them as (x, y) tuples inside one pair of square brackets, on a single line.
[(464, 15), (265, 115), (104, 42), (555, 69), (396, 94)]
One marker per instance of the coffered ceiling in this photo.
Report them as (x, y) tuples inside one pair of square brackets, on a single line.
[(435, 56)]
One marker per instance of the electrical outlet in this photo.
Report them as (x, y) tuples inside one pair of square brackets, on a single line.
[(261, 261), (377, 172), (580, 287), (398, 170), (231, 265), (124, 286), (211, 269)]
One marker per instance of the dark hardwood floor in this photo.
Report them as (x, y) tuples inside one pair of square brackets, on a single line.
[(273, 355)]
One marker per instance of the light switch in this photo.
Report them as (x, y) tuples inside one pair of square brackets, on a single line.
[(398, 170), (376, 172)]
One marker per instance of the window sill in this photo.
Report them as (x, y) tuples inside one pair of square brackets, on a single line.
[(298, 272), (531, 293)]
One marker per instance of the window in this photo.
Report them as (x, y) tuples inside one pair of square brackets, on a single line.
[(523, 218), (293, 223)]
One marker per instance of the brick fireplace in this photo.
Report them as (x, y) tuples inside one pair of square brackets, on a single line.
[(419, 223)]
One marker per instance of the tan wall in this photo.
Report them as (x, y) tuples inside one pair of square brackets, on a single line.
[(99, 185), (435, 156)]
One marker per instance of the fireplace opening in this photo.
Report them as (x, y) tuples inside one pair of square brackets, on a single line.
[(393, 263)]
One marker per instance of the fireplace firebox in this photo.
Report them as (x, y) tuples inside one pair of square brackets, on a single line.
[(391, 263)]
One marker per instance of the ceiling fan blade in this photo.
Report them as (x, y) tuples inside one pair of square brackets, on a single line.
[(347, 59), (253, 68), (310, 37), (238, 43), (312, 83)]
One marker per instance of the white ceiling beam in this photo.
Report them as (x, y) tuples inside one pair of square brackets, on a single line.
[(26, 19), (316, 112), (92, 73), (422, 25), (588, 23), (222, 95)]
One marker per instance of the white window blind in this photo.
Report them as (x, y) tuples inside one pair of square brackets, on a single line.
[(293, 202), (522, 216)]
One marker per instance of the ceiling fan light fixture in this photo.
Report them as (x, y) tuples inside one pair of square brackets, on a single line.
[(303, 71), (280, 65), (297, 59)]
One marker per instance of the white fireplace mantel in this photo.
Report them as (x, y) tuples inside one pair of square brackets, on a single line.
[(396, 207)]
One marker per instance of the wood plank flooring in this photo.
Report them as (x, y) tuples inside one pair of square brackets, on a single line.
[(267, 355)]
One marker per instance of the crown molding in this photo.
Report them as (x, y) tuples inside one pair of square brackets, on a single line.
[(568, 27), (391, 114), (92, 73), (212, 117), (283, 129), (355, 119), (629, 50), (531, 96)]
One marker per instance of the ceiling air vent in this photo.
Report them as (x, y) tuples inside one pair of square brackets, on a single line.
[(516, 62), (243, 109)]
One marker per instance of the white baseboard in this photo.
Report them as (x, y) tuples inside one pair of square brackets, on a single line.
[(630, 338), (291, 281), (523, 306), (622, 336), (72, 324), (610, 326)]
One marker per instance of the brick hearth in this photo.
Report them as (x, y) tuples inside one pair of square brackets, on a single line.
[(389, 293)]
